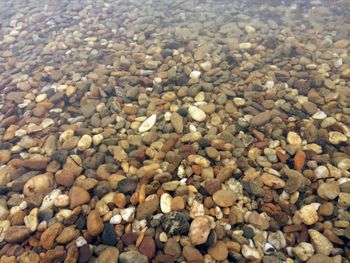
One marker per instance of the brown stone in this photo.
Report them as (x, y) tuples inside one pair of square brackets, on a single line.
[(148, 247), (94, 223), (78, 196), (47, 238), (16, 234)]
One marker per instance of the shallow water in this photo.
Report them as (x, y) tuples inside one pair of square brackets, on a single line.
[(174, 131)]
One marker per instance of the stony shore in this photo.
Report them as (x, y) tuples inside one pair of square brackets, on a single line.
[(174, 131)]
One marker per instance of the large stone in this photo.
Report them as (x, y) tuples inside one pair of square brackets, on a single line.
[(224, 198), (132, 257), (199, 230), (94, 223)]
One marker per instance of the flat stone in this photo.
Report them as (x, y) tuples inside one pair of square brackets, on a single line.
[(224, 198)]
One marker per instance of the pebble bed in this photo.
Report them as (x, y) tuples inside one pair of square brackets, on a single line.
[(174, 131)]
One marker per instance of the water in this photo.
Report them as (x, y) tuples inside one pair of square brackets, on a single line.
[(184, 130)]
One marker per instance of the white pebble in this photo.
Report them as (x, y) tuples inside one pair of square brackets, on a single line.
[(115, 220)]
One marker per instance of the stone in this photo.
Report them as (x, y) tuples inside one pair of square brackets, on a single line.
[(67, 235), (293, 138), (175, 223), (5, 156), (199, 230), (250, 253), (192, 254), (78, 196), (336, 137), (172, 248), (321, 244), (16, 234), (218, 251), (47, 238), (303, 251), (197, 114), (261, 118), (299, 160), (94, 223), (328, 191), (128, 214), (308, 213), (148, 123), (127, 186), (84, 143), (39, 184), (321, 172), (109, 254), (224, 198), (148, 207), (148, 247), (177, 122), (108, 236), (165, 203), (132, 257), (344, 199), (260, 221)]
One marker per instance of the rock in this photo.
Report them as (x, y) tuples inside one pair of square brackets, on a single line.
[(67, 235), (175, 223), (218, 251), (148, 247), (78, 196), (250, 253), (293, 138), (199, 230), (178, 203), (310, 107), (85, 142), (328, 191), (272, 181), (148, 207), (39, 184), (195, 74), (132, 257), (165, 203), (303, 251), (224, 198), (192, 254), (320, 258), (16, 234), (108, 235), (5, 156), (299, 160), (47, 238), (31, 221), (127, 186), (94, 223), (109, 254), (308, 213), (277, 239), (4, 212), (321, 244), (172, 248), (321, 172), (260, 221), (344, 199), (336, 137), (148, 123), (197, 114), (29, 257), (261, 118), (128, 214), (29, 163), (177, 122)]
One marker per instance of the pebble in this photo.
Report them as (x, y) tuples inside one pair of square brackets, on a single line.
[(78, 196), (293, 138), (132, 257), (250, 253), (177, 122), (148, 247), (109, 254), (148, 123), (166, 203), (84, 143), (224, 198), (199, 230), (328, 191), (128, 214), (303, 251), (321, 244), (16, 234), (308, 213), (197, 114), (218, 251), (261, 118), (94, 223), (47, 238), (335, 137)]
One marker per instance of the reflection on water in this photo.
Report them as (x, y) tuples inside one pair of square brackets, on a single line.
[(174, 131)]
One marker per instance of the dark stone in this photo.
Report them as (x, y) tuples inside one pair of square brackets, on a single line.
[(148, 247), (102, 188), (175, 223), (129, 238), (84, 254), (45, 215), (173, 45), (248, 232), (81, 222), (60, 156), (94, 161), (127, 186), (108, 235), (182, 111)]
